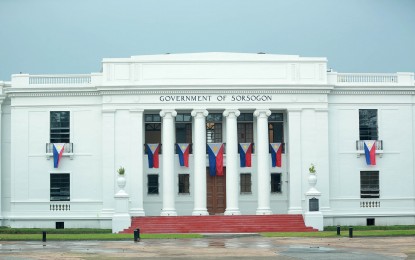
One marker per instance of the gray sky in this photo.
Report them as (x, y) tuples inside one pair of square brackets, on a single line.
[(72, 36)]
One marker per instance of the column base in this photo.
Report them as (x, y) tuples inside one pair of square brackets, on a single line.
[(230, 212), (200, 212), (120, 221), (168, 212), (295, 210), (263, 212)]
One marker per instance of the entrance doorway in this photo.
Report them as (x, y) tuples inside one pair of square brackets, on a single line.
[(216, 193)]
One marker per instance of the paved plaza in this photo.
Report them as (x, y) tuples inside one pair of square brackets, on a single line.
[(216, 247)]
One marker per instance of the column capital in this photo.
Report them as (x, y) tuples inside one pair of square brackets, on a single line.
[(199, 112), (229, 112), (262, 112), (166, 112)]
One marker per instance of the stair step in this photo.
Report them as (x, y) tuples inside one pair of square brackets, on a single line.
[(219, 224)]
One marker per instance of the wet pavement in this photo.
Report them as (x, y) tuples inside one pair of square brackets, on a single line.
[(216, 247)]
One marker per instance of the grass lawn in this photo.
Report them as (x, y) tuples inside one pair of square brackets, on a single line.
[(35, 234)]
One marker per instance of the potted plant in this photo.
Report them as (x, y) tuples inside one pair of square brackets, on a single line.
[(312, 169), (121, 179), (312, 178)]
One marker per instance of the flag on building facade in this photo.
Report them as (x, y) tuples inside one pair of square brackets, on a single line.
[(183, 151), (370, 152), (58, 149), (245, 154), (153, 155), (276, 150), (215, 151)]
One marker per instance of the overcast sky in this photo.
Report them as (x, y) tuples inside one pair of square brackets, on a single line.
[(72, 36)]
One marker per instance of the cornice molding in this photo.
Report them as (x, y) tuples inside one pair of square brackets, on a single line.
[(372, 92)]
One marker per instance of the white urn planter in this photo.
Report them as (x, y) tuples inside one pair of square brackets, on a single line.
[(121, 182)]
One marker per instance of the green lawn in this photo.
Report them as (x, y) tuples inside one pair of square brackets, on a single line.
[(105, 234)]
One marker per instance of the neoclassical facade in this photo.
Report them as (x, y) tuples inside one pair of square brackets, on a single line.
[(142, 113)]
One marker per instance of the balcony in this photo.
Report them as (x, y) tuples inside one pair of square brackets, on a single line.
[(68, 150), (360, 147)]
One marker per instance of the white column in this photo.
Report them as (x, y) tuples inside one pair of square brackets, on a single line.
[(135, 173), (322, 128), (294, 161), (232, 173), (108, 163), (168, 140), (199, 158), (262, 153)]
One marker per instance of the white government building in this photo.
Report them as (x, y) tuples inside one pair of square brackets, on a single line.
[(105, 120)]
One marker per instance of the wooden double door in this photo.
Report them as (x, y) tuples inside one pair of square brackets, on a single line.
[(216, 193)]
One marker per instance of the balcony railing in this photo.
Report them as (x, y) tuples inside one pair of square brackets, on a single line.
[(360, 145), (68, 148), (59, 79)]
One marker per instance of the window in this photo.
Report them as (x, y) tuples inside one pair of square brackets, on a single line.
[(368, 124), (369, 184), (59, 187), (245, 128), (276, 128), (59, 126), (214, 128), (245, 183), (153, 128), (275, 182), (184, 184), (152, 184), (183, 128)]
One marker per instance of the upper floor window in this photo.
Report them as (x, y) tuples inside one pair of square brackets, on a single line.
[(245, 128), (183, 128), (59, 187), (276, 128), (368, 124), (214, 128), (59, 126), (152, 128), (369, 184)]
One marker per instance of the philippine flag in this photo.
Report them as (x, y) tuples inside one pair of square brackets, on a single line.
[(57, 153), (276, 149), (245, 152), (153, 155), (183, 151), (215, 151), (370, 152)]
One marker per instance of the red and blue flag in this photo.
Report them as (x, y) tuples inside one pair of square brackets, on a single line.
[(183, 151), (153, 155), (276, 150), (370, 152), (215, 151), (245, 154), (58, 149)]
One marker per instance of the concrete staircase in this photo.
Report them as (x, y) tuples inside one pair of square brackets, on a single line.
[(219, 224)]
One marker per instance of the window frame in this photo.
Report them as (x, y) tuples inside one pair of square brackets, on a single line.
[(245, 183), (276, 185), (59, 131), (276, 118), (367, 186), (156, 188), (183, 187), (368, 132), (58, 198), (214, 126)]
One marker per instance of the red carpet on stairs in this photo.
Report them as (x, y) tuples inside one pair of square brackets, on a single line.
[(219, 224)]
